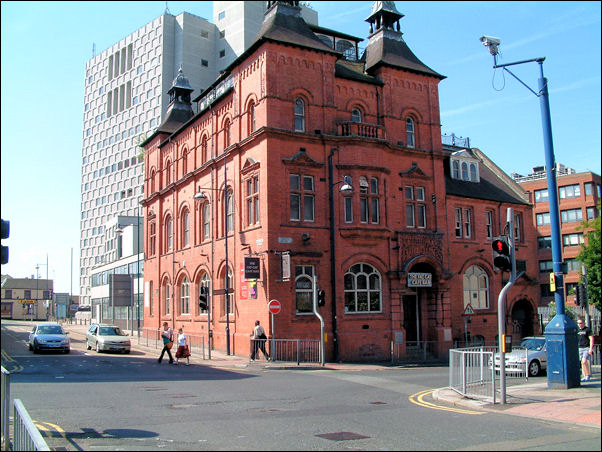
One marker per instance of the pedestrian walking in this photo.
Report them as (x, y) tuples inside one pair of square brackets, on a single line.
[(585, 341), (183, 349), (258, 339), (167, 336)]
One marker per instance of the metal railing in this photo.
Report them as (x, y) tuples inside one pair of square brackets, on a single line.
[(26, 435), (5, 408), (359, 129), (472, 372), (294, 350), (151, 337)]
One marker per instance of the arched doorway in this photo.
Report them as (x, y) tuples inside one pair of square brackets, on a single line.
[(522, 319), (419, 322)]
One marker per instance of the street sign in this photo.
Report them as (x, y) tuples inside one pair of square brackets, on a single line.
[(468, 310), (274, 306)]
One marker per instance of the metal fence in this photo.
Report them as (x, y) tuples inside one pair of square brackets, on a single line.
[(5, 408), (294, 350), (26, 435), (472, 372)]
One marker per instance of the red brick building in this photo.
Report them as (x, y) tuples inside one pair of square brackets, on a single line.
[(264, 169), (578, 198)]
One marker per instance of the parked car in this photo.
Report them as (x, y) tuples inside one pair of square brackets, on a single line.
[(530, 356), (48, 336), (107, 338)]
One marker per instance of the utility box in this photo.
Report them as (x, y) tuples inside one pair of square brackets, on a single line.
[(563, 353)]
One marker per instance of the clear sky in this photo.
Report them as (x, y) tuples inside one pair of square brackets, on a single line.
[(45, 47)]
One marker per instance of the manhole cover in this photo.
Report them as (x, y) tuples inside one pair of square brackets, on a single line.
[(342, 436)]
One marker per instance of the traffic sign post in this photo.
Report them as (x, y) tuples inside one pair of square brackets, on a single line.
[(274, 307)]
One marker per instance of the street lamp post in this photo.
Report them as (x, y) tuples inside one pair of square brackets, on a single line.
[(561, 331), (199, 196), (346, 188)]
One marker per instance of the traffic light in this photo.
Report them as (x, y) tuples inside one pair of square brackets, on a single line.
[(552, 282), (501, 253), (203, 298), (581, 295), (5, 234), (321, 297)]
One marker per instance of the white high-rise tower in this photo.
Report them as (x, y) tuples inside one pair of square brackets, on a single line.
[(125, 100)]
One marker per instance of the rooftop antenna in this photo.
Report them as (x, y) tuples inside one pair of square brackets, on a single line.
[(167, 9), (93, 49)]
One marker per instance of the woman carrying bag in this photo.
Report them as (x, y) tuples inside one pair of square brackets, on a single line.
[(183, 349)]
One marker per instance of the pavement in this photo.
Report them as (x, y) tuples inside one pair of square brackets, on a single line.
[(579, 405)]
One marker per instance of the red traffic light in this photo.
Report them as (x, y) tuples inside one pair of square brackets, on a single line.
[(501, 253)]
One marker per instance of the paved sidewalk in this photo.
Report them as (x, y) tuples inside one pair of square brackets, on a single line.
[(576, 405)]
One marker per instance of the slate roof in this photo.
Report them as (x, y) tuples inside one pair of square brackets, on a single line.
[(489, 188), (391, 50)]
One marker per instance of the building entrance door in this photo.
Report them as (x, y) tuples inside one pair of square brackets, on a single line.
[(411, 320)]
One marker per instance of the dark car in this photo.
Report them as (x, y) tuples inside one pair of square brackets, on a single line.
[(48, 336)]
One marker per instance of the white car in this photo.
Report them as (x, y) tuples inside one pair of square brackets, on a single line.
[(107, 338), (530, 357)]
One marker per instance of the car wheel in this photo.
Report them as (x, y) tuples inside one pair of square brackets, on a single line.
[(97, 348), (29, 346), (67, 350), (534, 368), (88, 346), (127, 352)]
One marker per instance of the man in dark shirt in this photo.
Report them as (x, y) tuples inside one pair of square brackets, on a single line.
[(585, 341)]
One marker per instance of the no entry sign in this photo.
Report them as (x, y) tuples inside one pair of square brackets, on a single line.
[(274, 306)]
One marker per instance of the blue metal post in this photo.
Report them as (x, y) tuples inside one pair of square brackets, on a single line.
[(561, 332)]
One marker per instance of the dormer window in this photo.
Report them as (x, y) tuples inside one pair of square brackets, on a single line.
[(463, 166)]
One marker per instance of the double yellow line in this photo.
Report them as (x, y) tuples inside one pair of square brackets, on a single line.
[(16, 367), (50, 430), (418, 399)]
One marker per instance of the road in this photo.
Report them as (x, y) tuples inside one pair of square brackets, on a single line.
[(89, 401)]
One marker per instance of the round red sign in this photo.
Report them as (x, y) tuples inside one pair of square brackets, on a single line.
[(274, 306)]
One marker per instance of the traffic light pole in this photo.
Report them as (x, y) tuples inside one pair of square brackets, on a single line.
[(317, 314)]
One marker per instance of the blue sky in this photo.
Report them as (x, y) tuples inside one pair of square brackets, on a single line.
[(45, 46)]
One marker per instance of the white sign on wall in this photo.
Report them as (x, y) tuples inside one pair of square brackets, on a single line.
[(420, 280)]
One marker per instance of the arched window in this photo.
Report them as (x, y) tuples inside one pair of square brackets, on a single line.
[(205, 221), (204, 150), (473, 172), (304, 275), (227, 131), (167, 297), (476, 288), (168, 234), (410, 133), (299, 115), (455, 169), (185, 228), (229, 212), (363, 290), (167, 172), (185, 296), (356, 115), (152, 238), (465, 171), (251, 117), (152, 181), (184, 162)]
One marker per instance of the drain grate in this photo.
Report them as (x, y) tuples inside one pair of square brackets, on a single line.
[(378, 403), (341, 436)]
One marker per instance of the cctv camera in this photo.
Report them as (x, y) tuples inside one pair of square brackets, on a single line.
[(491, 43)]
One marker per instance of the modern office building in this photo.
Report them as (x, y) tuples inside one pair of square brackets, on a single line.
[(125, 99), (578, 198)]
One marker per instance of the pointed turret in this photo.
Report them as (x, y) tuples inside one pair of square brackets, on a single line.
[(180, 107), (386, 45)]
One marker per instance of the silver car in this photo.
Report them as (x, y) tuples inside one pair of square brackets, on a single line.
[(48, 336), (530, 357), (107, 338)]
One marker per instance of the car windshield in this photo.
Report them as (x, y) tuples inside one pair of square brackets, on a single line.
[(50, 329), (110, 331), (533, 344)]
